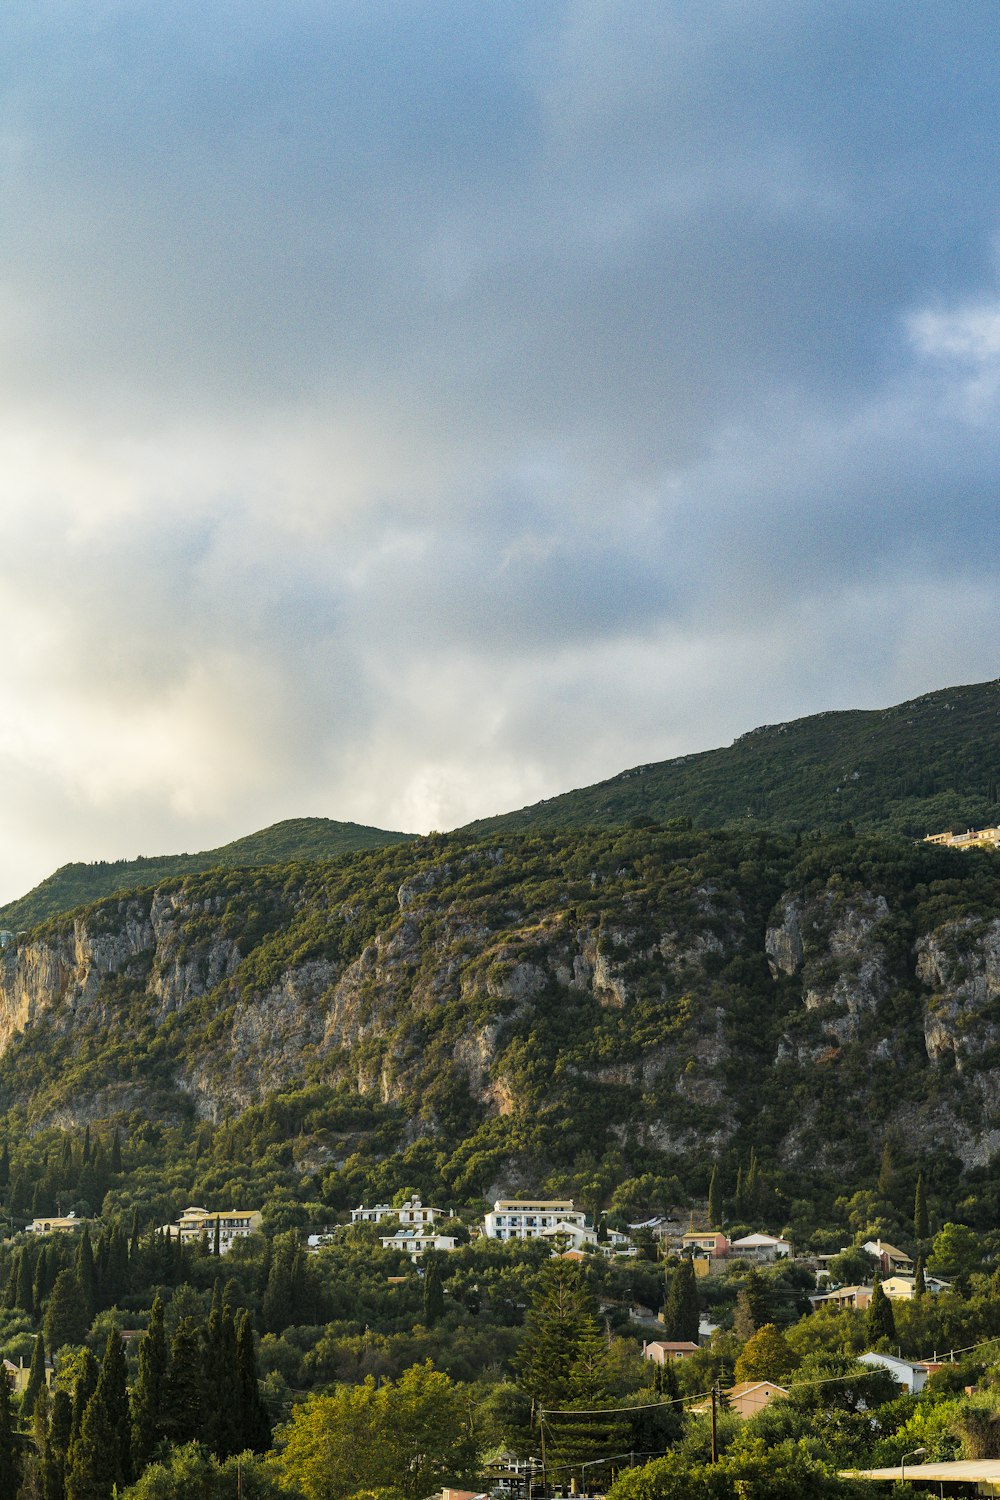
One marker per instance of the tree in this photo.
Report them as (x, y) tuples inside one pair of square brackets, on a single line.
[(681, 1310), (559, 1315), (184, 1407), (112, 1388), (921, 1222), (149, 1389), (714, 1200), (879, 1320), (919, 1280), (56, 1449), (83, 1389), (752, 1305), (65, 1317), (36, 1378), (956, 1252), (10, 1454), (433, 1290), (255, 1427), (410, 1434), (86, 1273), (766, 1355), (92, 1467)]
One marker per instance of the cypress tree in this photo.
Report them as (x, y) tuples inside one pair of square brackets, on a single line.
[(115, 1162), (921, 1223), (4, 1166), (278, 1307), (66, 1319), (86, 1385), (255, 1428), (879, 1320), (433, 1290), (184, 1408), (56, 1448), (92, 1468), (24, 1296), (919, 1280), (10, 1453), (217, 1237), (680, 1312), (36, 1378), (86, 1272), (149, 1390), (40, 1283), (714, 1200), (112, 1387)]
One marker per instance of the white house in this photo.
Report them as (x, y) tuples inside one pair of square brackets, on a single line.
[(912, 1376), (527, 1218), (761, 1247), (415, 1241), (413, 1213), (569, 1236)]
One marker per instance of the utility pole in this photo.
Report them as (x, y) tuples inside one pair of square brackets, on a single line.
[(715, 1456), (541, 1429)]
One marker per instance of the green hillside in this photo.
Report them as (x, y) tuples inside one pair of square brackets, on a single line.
[(295, 839), (923, 766)]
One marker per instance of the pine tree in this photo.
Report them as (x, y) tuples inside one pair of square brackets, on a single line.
[(149, 1391), (36, 1378), (66, 1319), (681, 1310), (714, 1200), (558, 1316), (879, 1320), (921, 1222), (10, 1452)]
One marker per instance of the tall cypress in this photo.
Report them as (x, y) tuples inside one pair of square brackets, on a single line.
[(86, 1272), (36, 1378), (919, 1279), (714, 1200), (433, 1290), (112, 1387), (56, 1449), (24, 1296), (66, 1318), (681, 1311), (184, 1408), (255, 1427), (10, 1452), (86, 1384), (149, 1391), (879, 1320), (92, 1468)]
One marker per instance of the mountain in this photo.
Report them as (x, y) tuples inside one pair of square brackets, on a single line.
[(924, 766), (295, 839), (577, 1012)]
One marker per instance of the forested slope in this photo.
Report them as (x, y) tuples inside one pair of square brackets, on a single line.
[(917, 768)]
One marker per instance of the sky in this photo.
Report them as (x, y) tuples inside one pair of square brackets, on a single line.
[(411, 410)]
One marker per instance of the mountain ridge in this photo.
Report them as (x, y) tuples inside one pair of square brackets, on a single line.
[(80, 883)]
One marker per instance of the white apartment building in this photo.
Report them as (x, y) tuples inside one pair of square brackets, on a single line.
[(413, 1214), (415, 1241), (527, 1218)]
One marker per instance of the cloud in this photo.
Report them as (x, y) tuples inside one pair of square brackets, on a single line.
[(405, 414)]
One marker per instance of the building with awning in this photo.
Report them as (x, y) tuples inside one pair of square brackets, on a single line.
[(962, 1476)]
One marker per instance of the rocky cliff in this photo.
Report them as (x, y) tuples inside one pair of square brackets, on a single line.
[(658, 992)]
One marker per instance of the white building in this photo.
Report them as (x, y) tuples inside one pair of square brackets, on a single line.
[(568, 1236), (412, 1213), (761, 1247), (527, 1218), (912, 1376), (415, 1241)]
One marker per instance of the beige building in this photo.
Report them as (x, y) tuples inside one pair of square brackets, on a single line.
[(751, 1396), (56, 1224), (233, 1224)]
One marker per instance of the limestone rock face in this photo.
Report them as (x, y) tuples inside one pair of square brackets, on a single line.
[(960, 965)]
